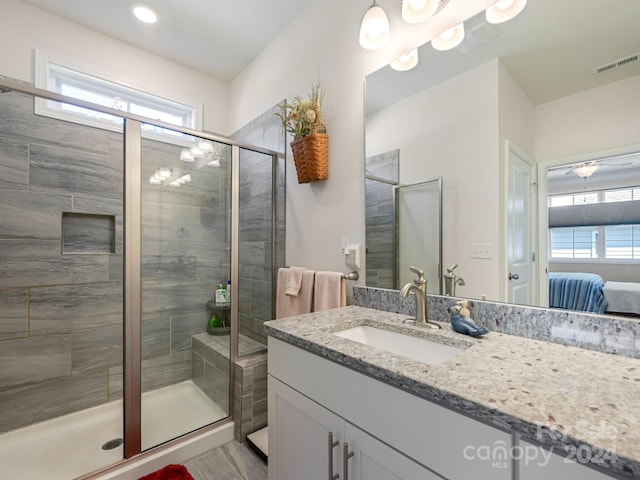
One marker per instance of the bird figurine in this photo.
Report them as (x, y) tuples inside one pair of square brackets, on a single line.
[(462, 324), (464, 311)]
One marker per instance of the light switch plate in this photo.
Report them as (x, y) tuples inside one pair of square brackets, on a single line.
[(481, 250)]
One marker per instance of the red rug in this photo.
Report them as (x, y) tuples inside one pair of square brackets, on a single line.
[(170, 472)]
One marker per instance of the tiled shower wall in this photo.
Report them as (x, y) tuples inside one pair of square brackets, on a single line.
[(380, 215), (61, 315)]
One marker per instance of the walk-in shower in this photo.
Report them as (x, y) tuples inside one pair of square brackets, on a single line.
[(111, 246)]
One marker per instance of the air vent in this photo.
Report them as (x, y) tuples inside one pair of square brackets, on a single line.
[(617, 64)]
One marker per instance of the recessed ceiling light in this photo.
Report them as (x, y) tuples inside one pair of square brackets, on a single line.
[(145, 14)]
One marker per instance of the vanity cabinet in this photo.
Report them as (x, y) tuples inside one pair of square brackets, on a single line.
[(539, 463), (312, 443), (392, 434)]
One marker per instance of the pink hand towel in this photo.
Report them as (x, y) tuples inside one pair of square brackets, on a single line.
[(288, 305), (330, 291), (294, 281)]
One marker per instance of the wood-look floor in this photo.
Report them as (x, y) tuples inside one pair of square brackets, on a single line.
[(231, 461)]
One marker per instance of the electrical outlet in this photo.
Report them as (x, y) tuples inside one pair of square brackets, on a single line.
[(481, 250)]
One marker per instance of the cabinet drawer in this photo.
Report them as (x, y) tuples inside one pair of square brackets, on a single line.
[(538, 462), (434, 436)]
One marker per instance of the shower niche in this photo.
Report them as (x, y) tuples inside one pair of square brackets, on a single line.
[(88, 233)]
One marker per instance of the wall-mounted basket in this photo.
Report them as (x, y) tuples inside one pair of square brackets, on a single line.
[(311, 156)]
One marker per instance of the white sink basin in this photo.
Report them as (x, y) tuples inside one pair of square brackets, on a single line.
[(416, 348)]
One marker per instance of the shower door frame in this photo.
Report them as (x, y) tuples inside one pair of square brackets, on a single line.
[(132, 255)]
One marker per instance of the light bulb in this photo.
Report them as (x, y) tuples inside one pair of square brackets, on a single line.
[(406, 61), (504, 10), (145, 14), (448, 35), (374, 31), (206, 147), (449, 39), (504, 4), (186, 156), (416, 11), (164, 173), (196, 152)]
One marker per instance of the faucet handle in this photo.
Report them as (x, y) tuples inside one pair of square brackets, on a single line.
[(420, 273)]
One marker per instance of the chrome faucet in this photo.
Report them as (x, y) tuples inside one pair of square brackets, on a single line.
[(419, 289)]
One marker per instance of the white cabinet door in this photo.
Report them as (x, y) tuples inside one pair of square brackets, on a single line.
[(373, 460), (539, 463), (299, 436)]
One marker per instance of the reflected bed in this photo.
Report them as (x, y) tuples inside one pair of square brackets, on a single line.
[(577, 291), (623, 297)]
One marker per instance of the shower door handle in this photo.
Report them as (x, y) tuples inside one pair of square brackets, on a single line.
[(346, 455), (331, 445)]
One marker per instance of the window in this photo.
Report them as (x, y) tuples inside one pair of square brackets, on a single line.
[(599, 242), (574, 242), (54, 76), (622, 242)]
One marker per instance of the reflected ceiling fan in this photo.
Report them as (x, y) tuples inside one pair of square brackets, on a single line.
[(586, 169)]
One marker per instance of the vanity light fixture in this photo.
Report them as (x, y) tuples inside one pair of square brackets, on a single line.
[(186, 156), (196, 152), (406, 61), (585, 170), (205, 147), (449, 38), (504, 10), (145, 14), (374, 31), (416, 11)]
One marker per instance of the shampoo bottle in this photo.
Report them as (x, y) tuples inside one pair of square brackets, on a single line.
[(221, 294)]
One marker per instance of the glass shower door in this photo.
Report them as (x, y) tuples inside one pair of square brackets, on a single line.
[(256, 242), (419, 232), (185, 255)]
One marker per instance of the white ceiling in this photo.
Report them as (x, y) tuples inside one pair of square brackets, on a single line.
[(217, 37), (550, 50)]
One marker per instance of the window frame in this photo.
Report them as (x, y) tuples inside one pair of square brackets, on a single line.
[(50, 71)]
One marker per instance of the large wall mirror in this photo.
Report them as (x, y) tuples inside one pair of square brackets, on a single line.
[(506, 120)]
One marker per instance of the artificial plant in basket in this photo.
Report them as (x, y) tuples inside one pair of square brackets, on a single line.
[(302, 118)]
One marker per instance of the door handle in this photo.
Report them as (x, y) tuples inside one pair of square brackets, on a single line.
[(331, 446), (346, 455), (514, 276)]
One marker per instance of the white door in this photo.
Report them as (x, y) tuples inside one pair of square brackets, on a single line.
[(521, 281), (299, 436)]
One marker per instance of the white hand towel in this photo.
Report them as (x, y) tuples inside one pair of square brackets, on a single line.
[(330, 291), (294, 281)]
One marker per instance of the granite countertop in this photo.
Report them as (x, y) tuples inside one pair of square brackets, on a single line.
[(563, 397)]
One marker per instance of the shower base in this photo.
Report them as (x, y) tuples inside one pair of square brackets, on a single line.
[(71, 446)]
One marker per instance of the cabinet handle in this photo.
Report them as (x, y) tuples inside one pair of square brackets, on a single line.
[(346, 455), (331, 446)]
